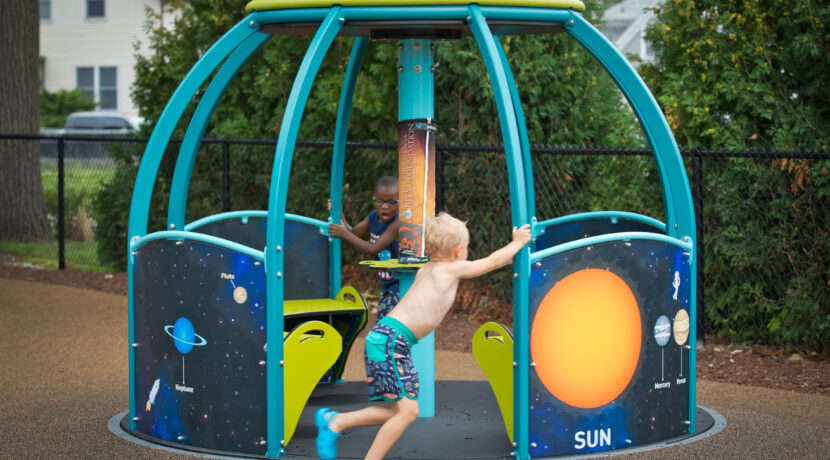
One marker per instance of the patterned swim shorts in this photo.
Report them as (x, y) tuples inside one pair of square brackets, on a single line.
[(389, 370), (387, 302)]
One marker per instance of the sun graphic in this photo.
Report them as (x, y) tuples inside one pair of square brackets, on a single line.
[(585, 338)]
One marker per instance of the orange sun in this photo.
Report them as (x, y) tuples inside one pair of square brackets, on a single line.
[(586, 337)]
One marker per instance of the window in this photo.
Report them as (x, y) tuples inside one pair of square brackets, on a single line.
[(45, 9), (108, 87), (85, 76), (95, 9), (100, 83)]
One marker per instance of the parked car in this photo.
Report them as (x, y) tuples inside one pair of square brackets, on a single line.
[(94, 124), (101, 122)]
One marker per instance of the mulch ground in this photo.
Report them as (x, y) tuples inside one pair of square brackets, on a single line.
[(757, 366)]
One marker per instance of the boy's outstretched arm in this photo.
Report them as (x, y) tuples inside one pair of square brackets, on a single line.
[(499, 258), (354, 238)]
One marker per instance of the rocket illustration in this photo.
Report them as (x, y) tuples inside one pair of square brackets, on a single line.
[(153, 393)]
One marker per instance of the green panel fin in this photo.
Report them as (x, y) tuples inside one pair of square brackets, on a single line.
[(493, 351), (310, 350)]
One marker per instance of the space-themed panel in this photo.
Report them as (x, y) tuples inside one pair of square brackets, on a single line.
[(306, 252), (578, 229), (608, 335), (199, 318)]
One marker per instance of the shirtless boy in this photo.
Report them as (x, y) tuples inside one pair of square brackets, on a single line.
[(390, 373)]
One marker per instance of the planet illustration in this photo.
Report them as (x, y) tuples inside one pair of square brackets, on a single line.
[(662, 330), (184, 335), (240, 295), (681, 327), (585, 338)]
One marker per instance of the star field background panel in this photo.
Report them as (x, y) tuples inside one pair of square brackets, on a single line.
[(653, 406), (214, 395), (306, 264), (578, 229)]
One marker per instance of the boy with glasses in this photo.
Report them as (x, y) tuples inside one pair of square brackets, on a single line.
[(382, 226)]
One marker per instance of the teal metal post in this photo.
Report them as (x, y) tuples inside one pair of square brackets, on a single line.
[(416, 99), (338, 156), (519, 208), (275, 232)]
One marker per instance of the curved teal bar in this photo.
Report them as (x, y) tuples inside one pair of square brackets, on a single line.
[(520, 123), (244, 215), (338, 157), (623, 236), (275, 233), (184, 235), (677, 196), (198, 124), (603, 215), (519, 207)]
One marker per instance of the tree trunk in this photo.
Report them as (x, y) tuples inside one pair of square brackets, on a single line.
[(23, 210)]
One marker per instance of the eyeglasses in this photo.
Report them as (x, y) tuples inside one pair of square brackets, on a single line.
[(379, 202)]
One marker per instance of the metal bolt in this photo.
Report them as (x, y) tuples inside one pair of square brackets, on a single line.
[(512, 454), (135, 253), (279, 248), (675, 226), (432, 46), (400, 46), (686, 238), (514, 444), (515, 276), (538, 264), (687, 346), (469, 19), (172, 226), (417, 47), (628, 244), (252, 23), (628, 441), (687, 422), (514, 364), (532, 445), (279, 274), (571, 22), (262, 442), (257, 263), (262, 363), (282, 442), (282, 363), (400, 69), (532, 364), (342, 20), (135, 345), (282, 451), (417, 69), (135, 419), (179, 243), (686, 254), (180, 438)]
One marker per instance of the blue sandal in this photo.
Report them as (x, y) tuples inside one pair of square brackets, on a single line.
[(326, 439)]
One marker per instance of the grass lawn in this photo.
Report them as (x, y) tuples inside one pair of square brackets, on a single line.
[(79, 255)]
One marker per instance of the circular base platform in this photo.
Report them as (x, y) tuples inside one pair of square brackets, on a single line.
[(467, 425)]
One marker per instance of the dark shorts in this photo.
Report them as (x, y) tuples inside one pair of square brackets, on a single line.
[(387, 302), (389, 370)]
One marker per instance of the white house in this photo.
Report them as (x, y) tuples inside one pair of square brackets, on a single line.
[(88, 44), (625, 26)]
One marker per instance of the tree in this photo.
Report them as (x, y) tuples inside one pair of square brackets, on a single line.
[(753, 75), (743, 74), (56, 107), (23, 214)]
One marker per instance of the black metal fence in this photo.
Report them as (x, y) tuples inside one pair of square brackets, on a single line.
[(762, 217)]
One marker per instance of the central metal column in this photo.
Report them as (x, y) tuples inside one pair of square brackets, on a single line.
[(416, 101)]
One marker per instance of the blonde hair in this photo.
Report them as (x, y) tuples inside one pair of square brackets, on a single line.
[(443, 233)]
